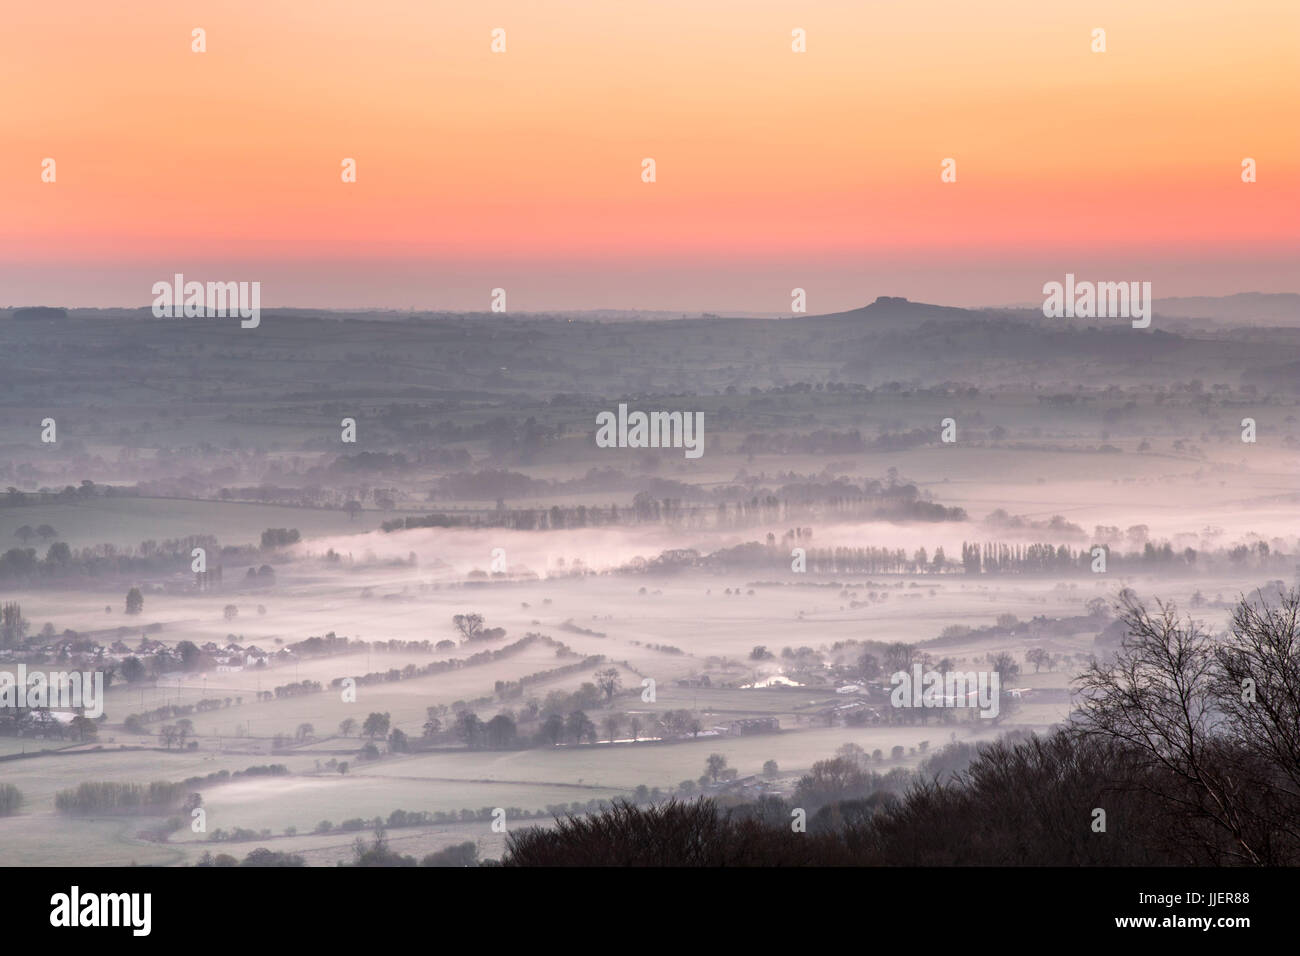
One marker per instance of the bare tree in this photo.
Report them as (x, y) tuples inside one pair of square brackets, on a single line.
[(1174, 699), (608, 681), (612, 723)]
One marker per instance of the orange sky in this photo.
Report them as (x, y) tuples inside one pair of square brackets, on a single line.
[(522, 169)]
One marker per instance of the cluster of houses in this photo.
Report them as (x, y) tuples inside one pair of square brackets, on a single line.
[(85, 652), (63, 649), (748, 726), (232, 658), (850, 713), (146, 648)]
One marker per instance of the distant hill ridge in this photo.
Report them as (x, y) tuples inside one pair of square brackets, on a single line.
[(1261, 309), (39, 312), (889, 309)]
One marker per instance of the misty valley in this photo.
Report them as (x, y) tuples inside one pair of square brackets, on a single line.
[(404, 588)]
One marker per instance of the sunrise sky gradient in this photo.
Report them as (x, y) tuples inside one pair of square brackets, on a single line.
[(522, 169)]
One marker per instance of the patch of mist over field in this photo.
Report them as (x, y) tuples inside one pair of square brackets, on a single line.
[(1189, 514)]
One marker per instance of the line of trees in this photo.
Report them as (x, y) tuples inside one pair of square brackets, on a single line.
[(113, 797)]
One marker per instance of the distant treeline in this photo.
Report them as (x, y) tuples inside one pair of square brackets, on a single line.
[(826, 442), (111, 797), (224, 776), (63, 564), (411, 671), (331, 644), (14, 498), (508, 690), (135, 723), (399, 819), (839, 500), (298, 689), (976, 558)]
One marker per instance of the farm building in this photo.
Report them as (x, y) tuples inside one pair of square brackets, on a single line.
[(753, 725)]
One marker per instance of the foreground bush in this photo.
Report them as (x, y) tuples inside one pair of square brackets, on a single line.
[(259, 857), (671, 834), (1022, 804), (462, 854)]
